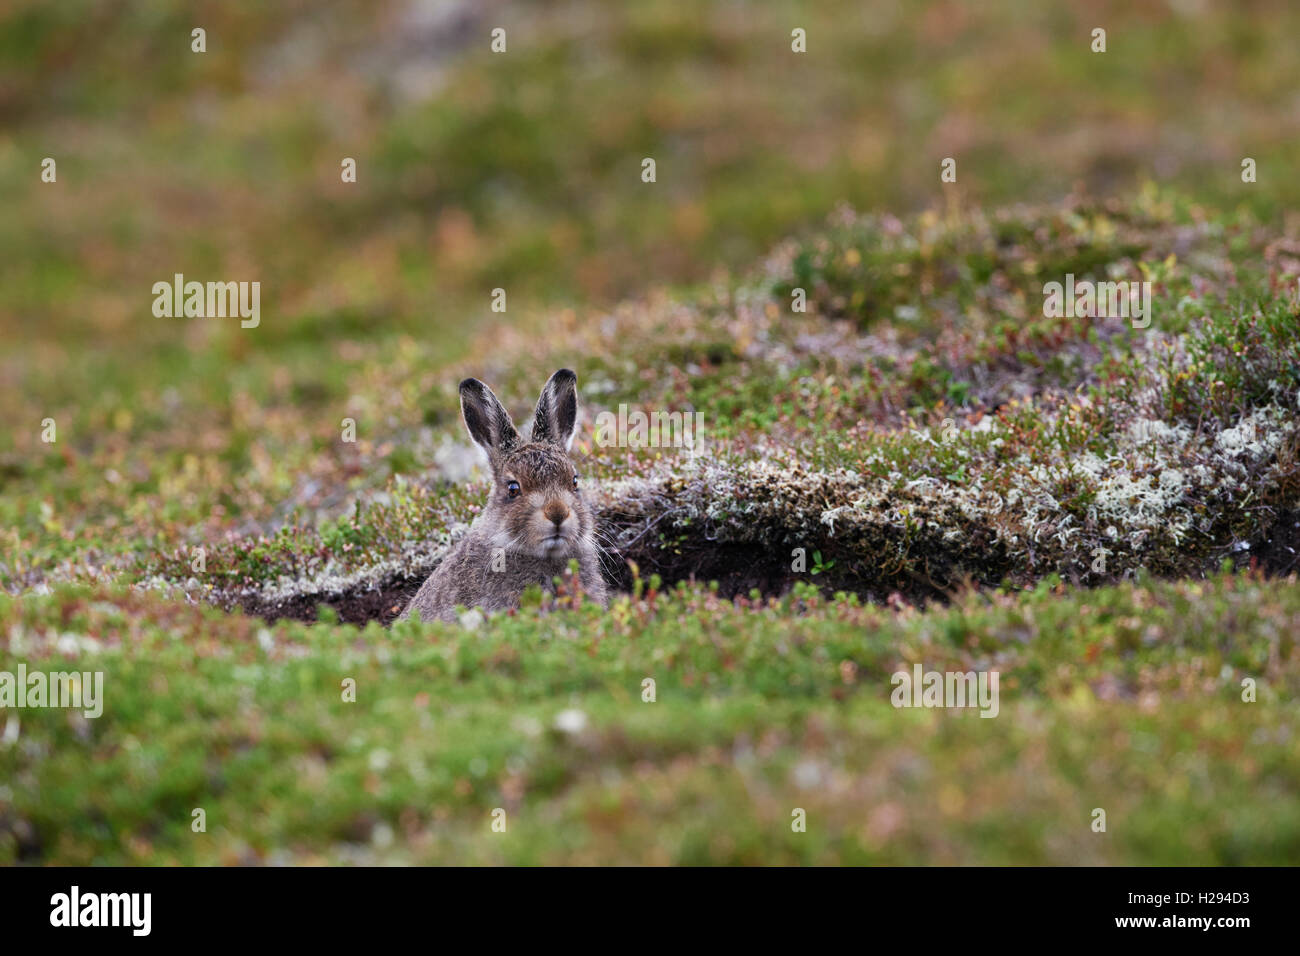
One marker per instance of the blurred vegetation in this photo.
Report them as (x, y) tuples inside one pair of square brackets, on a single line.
[(519, 171), (1127, 698)]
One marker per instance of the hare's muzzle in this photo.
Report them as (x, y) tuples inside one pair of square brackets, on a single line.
[(556, 512)]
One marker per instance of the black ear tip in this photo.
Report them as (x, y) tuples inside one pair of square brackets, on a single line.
[(471, 385), (565, 375)]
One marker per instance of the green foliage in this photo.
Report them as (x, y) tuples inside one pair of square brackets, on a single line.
[(1138, 684)]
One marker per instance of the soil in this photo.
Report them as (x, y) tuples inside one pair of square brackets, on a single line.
[(739, 569)]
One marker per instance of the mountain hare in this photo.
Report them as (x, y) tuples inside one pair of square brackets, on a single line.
[(536, 519)]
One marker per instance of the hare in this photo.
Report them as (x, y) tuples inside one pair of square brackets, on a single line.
[(536, 518)]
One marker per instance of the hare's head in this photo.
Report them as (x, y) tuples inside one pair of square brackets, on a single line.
[(536, 506)]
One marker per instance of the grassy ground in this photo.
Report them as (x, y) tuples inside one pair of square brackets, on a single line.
[(1108, 516), (1127, 699)]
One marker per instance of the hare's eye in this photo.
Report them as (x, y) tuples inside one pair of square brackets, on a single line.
[(512, 489), (575, 482)]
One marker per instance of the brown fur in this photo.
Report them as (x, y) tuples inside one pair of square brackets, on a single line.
[(528, 539)]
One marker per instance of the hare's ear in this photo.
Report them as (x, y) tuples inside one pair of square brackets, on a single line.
[(556, 418), (486, 418)]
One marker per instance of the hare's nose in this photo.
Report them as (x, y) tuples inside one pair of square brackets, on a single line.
[(556, 512)]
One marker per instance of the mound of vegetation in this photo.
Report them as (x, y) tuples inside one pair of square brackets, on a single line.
[(893, 447), (910, 445)]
